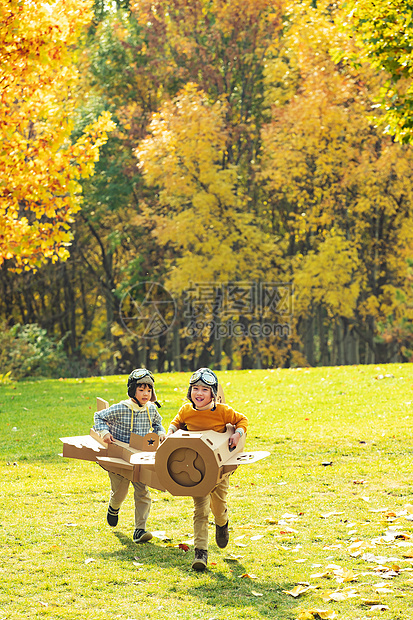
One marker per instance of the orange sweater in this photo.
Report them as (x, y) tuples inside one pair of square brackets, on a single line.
[(193, 420)]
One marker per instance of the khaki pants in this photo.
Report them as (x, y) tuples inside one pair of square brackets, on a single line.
[(118, 491), (215, 501)]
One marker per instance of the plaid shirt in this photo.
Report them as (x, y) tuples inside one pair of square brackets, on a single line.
[(117, 420)]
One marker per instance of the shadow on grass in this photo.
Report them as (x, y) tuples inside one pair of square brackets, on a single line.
[(214, 587)]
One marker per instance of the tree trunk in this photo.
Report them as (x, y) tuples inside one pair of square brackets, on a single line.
[(176, 348), (340, 333), (308, 325), (322, 337)]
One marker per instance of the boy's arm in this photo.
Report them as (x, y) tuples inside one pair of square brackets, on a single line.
[(171, 430), (240, 421), (101, 425), (158, 427)]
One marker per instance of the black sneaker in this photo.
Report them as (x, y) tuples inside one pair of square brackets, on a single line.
[(140, 536), (112, 516), (201, 560), (222, 535)]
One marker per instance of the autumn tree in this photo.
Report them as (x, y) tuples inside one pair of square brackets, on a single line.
[(335, 185), (383, 34), (219, 48), (41, 165)]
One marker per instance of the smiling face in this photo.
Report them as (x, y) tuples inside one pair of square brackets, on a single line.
[(201, 395), (143, 393)]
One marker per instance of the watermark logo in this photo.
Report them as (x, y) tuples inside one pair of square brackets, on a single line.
[(238, 309), (148, 310), (217, 310)]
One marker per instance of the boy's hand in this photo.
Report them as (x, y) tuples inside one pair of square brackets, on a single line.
[(233, 440), (162, 438), (108, 438)]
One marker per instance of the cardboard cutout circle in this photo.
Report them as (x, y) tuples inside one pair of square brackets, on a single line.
[(186, 467)]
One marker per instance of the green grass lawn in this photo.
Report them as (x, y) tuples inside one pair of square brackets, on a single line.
[(326, 511)]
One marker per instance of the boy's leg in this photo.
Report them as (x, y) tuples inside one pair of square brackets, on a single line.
[(219, 502), (118, 489), (143, 502), (220, 511), (201, 514)]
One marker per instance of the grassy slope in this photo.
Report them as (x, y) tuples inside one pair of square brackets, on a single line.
[(52, 515)]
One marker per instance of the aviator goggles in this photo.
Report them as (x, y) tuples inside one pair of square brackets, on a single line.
[(140, 373), (204, 375)]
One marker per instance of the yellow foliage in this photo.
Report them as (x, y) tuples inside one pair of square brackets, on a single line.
[(39, 189), (207, 215), (331, 277)]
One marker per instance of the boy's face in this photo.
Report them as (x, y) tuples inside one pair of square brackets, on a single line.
[(143, 393), (201, 395)]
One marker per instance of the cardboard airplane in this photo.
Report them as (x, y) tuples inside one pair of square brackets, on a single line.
[(186, 463)]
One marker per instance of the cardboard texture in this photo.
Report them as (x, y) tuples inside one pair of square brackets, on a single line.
[(185, 464)]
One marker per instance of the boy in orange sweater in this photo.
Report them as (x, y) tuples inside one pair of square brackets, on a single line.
[(201, 414)]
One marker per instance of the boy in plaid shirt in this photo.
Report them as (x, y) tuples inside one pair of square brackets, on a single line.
[(137, 414)]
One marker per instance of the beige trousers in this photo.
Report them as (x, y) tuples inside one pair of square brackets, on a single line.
[(216, 501), (118, 491)]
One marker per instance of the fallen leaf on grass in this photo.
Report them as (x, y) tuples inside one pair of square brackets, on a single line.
[(183, 546), (233, 558), (340, 595), (342, 574), (335, 596), (248, 576), (138, 564), (326, 515), (290, 515), (408, 553), (288, 530), (324, 575), (382, 568), (310, 614), (346, 575), (89, 560), (256, 593), (161, 535), (257, 537), (384, 591), (297, 590), (357, 547), (379, 607), (389, 574)]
